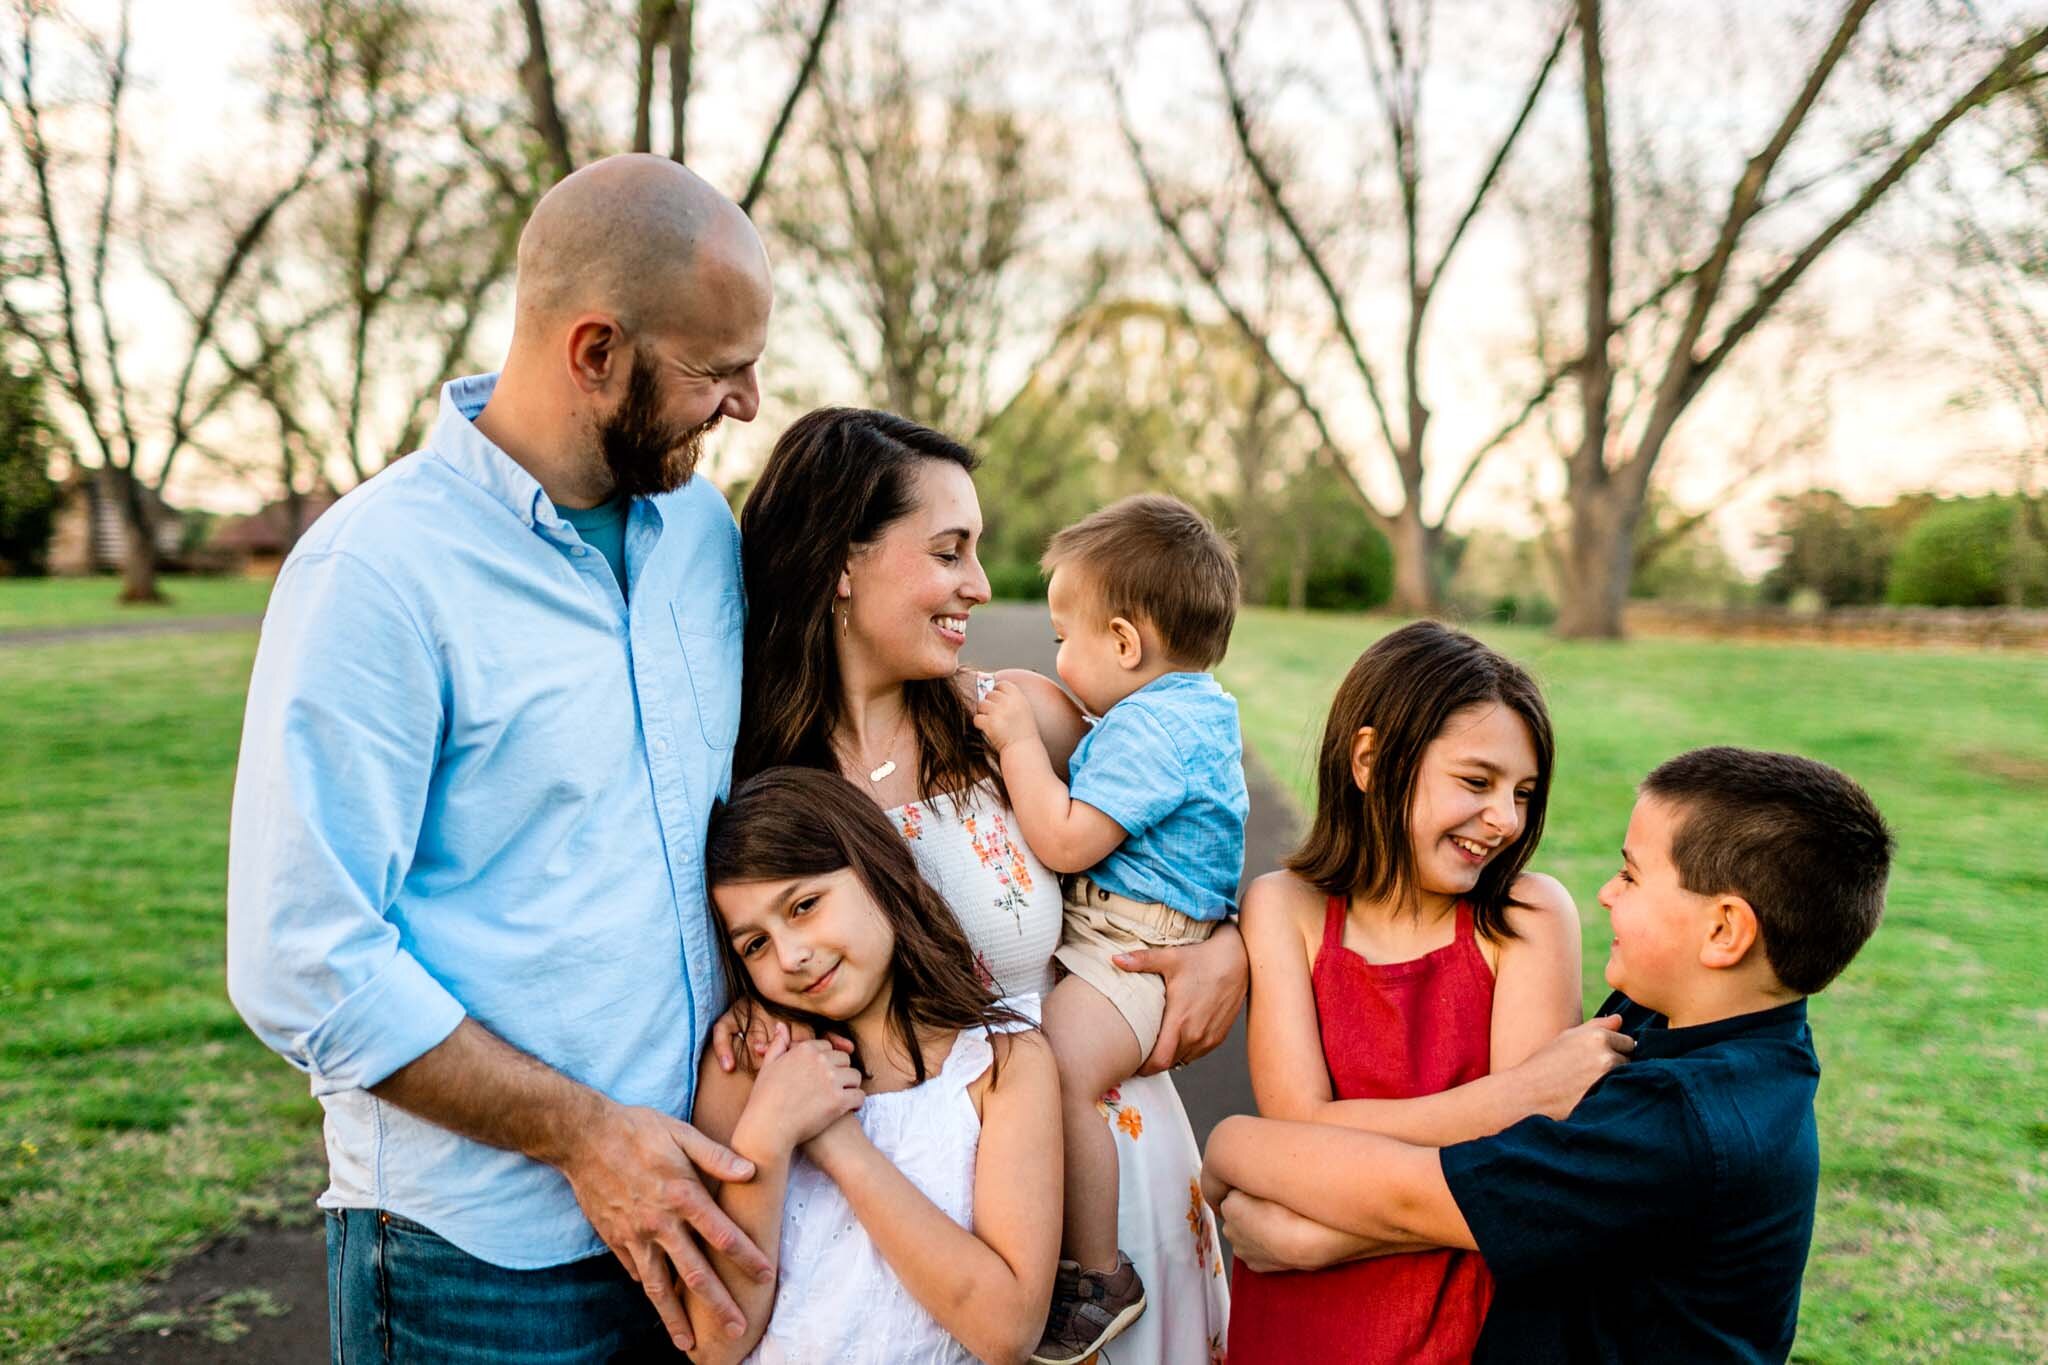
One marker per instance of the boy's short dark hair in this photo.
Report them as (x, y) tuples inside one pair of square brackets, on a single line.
[(1155, 557), (1804, 845)]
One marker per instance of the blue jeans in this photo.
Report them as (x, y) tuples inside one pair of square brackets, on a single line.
[(401, 1294)]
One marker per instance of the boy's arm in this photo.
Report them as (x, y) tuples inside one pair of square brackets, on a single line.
[(989, 1286), (1067, 835), (1536, 1005), (1389, 1195)]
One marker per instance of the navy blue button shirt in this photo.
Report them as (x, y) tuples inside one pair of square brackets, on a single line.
[(1668, 1218)]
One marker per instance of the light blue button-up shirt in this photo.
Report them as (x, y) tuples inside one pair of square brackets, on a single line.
[(475, 781)]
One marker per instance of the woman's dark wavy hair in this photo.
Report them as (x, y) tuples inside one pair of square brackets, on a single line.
[(804, 822), (837, 479), (1405, 687)]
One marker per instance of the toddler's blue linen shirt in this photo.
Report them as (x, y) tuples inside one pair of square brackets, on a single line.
[(1167, 764)]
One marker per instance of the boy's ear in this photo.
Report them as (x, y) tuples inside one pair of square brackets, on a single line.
[(1361, 756), (1130, 645), (1732, 933)]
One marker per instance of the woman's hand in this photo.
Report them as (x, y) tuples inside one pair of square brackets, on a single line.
[(1205, 989), (801, 1090)]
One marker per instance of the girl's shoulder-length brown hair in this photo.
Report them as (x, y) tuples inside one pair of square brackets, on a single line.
[(836, 480), (806, 822), (1406, 686)]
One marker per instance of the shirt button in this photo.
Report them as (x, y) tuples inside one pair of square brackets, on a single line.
[(579, 551), (661, 746)]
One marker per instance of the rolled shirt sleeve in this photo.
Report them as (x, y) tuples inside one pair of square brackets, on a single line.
[(339, 741), (1628, 1167)]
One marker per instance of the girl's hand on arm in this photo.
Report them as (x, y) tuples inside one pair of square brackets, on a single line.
[(1205, 989), (802, 1089)]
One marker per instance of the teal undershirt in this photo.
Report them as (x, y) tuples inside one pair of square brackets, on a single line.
[(603, 529)]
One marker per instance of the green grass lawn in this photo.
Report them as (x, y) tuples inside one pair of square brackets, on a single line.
[(1932, 1239), (40, 603), (138, 1117)]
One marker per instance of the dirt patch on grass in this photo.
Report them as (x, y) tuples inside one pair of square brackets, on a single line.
[(2019, 769)]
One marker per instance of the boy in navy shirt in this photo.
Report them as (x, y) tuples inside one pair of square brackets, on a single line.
[(1143, 595), (1668, 1216)]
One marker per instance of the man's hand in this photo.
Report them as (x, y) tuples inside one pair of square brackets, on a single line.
[(1558, 1074), (1267, 1236), (1005, 716), (634, 1173), (1205, 989)]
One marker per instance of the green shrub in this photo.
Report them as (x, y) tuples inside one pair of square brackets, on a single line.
[(1967, 553), (1015, 581)]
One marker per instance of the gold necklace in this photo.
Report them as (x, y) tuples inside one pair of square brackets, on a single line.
[(888, 764)]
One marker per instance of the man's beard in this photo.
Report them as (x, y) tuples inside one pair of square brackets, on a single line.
[(647, 455)]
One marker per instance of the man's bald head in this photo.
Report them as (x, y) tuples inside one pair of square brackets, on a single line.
[(643, 239)]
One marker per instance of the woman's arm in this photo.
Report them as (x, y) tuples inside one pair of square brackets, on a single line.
[(1535, 999), (989, 1287)]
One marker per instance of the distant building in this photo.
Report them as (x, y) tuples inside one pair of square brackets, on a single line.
[(89, 534), (259, 542)]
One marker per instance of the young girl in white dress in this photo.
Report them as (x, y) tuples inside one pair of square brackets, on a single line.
[(904, 1125)]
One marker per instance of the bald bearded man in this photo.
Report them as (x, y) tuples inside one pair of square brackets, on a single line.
[(494, 701)]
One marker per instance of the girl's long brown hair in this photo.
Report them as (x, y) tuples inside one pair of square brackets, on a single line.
[(804, 822), (837, 479), (1405, 687)]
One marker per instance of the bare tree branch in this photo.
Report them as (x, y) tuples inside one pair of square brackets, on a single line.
[(538, 75), (804, 73)]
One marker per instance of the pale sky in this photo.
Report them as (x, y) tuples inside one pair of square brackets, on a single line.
[(1890, 424)]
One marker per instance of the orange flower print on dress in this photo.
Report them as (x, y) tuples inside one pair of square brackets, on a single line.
[(1114, 1110), (998, 853), (1206, 1257), (913, 822)]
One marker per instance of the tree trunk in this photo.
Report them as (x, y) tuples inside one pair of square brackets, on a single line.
[(1599, 560), (138, 552), (1416, 544)]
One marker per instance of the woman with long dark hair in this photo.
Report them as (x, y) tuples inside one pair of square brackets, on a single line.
[(859, 556)]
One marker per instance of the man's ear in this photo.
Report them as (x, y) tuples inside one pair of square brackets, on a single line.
[(1130, 645), (1732, 932), (596, 352), (1361, 756)]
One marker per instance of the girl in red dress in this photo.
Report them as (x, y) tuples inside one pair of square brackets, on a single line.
[(1401, 960)]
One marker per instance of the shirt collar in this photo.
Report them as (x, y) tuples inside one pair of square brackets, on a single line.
[(457, 443), (1657, 1039)]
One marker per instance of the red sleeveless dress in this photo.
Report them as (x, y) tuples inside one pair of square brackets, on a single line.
[(1391, 1031)]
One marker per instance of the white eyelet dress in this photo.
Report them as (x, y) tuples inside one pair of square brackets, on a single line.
[(838, 1302), (973, 854)]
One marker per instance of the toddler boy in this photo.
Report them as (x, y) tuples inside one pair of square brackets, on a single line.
[(1143, 595)]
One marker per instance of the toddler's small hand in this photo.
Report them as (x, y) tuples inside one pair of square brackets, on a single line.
[(1004, 715)]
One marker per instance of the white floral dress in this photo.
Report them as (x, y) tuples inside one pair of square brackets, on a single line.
[(974, 855)]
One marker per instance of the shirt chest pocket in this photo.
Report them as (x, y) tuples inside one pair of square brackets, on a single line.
[(711, 638)]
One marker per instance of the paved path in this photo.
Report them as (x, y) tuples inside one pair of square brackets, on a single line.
[(177, 625), (286, 1265)]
